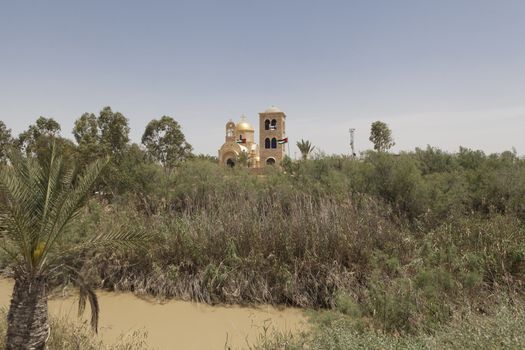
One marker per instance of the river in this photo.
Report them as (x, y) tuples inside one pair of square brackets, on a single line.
[(175, 324)]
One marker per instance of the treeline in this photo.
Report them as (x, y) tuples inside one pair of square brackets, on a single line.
[(105, 135), (426, 185)]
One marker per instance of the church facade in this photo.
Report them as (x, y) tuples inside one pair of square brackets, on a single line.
[(240, 145)]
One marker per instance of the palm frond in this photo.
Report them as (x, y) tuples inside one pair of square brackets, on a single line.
[(18, 221), (42, 202), (86, 293), (69, 204), (120, 238)]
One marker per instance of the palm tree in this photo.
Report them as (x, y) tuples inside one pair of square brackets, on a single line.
[(40, 207), (305, 147)]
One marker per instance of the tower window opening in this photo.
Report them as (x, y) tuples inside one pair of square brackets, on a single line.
[(270, 161), (274, 143), (273, 125), (267, 143), (267, 124)]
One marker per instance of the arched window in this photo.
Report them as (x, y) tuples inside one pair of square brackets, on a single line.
[(270, 161), (267, 124), (267, 143), (273, 125), (274, 143)]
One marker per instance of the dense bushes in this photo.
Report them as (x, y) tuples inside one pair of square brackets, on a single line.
[(404, 242), (470, 331), (267, 248)]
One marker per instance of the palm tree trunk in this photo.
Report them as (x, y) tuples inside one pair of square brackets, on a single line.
[(28, 326)]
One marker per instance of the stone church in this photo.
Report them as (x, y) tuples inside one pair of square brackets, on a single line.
[(240, 145)]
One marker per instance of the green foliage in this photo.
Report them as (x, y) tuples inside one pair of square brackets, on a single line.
[(87, 134), (347, 305), (381, 136), (305, 147), (41, 137), (72, 336), (37, 134), (114, 131), (131, 174), (433, 160), (243, 159), (6, 141), (107, 135), (165, 143), (399, 244), (86, 130), (288, 165), (501, 330), (40, 212)]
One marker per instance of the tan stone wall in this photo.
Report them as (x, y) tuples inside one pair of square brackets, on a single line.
[(280, 133), (248, 135)]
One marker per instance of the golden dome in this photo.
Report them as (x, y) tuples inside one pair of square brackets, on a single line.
[(243, 125)]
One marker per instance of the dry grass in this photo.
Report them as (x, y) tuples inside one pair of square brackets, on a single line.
[(66, 335)]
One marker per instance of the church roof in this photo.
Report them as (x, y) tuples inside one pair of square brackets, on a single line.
[(243, 125), (272, 109)]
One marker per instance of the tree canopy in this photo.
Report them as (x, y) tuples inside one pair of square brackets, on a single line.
[(5, 141), (305, 147), (114, 131), (38, 135), (381, 136), (165, 142), (86, 129)]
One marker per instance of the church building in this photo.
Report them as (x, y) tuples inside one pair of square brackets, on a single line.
[(240, 146)]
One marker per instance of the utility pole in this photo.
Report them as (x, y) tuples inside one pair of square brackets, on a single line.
[(352, 146)]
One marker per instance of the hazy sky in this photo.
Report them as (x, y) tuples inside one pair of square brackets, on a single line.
[(441, 72)]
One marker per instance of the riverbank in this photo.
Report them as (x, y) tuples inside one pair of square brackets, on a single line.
[(468, 330), (176, 324)]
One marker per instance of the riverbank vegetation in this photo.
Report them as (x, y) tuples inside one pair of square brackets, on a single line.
[(402, 245), (66, 335), (469, 331)]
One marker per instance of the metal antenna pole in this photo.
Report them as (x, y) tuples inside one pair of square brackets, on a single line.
[(352, 131)]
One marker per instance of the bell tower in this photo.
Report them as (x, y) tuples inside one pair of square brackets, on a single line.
[(230, 131), (272, 136)]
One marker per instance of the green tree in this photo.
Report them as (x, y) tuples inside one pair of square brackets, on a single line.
[(41, 209), (39, 138), (381, 136), (86, 129), (87, 135), (5, 141), (133, 173), (305, 147), (165, 142), (38, 135), (114, 131)]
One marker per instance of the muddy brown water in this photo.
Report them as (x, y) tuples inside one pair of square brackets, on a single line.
[(176, 324)]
